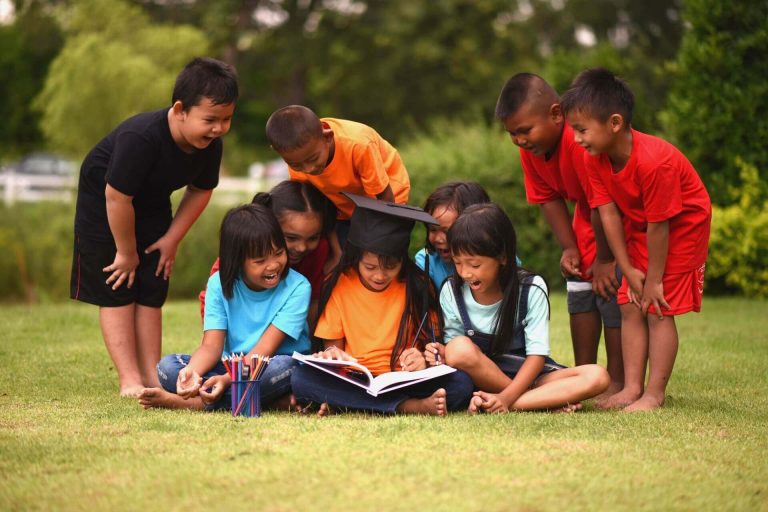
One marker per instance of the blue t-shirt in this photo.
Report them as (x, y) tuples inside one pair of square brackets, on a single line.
[(248, 313), (483, 317), (439, 270)]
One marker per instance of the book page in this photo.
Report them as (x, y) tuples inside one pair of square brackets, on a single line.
[(394, 380)]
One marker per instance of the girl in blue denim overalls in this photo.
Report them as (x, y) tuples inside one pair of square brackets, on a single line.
[(497, 324)]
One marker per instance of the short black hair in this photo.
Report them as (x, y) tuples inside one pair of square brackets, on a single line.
[(247, 231), (520, 89), (292, 127), (208, 78), (599, 93)]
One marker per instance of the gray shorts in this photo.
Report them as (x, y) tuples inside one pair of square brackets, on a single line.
[(581, 299)]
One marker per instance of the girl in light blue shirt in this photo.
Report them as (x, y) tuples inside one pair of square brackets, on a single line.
[(255, 305), (496, 318)]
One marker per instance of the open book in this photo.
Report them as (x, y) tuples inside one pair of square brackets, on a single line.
[(359, 375)]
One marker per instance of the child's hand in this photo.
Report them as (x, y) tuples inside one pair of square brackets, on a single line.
[(570, 262), (653, 293), (334, 352), (636, 282), (212, 389), (604, 282), (188, 383), (486, 402), (434, 354), (412, 360), (167, 248), (122, 268)]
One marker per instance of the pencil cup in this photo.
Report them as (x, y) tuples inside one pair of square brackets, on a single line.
[(246, 398)]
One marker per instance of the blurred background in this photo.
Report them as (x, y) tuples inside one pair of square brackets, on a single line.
[(424, 73)]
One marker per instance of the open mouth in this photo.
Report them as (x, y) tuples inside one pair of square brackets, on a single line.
[(271, 279), (473, 285)]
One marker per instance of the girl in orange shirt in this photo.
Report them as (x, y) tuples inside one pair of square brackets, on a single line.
[(380, 309)]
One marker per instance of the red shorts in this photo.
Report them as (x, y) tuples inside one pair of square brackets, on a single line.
[(682, 291)]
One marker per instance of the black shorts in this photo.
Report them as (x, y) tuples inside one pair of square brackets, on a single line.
[(510, 364), (88, 282)]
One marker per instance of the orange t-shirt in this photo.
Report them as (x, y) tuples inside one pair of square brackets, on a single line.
[(363, 163), (368, 321)]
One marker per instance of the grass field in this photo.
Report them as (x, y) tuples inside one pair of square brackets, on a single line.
[(68, 442)]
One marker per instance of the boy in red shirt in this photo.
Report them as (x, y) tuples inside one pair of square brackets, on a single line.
[(336, 155), (662, 247), (553, 168)]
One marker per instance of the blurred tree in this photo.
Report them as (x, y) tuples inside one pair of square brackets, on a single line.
[(718, 106), (398, 65), (27, 46), (114, 64)]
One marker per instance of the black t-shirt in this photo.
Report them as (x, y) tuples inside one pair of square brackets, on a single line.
[(140, 158)]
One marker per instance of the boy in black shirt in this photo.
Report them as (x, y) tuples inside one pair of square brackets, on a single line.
[(125, 233)]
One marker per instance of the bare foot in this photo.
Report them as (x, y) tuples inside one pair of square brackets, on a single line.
[(158, 397), (131, 391), (434, 405), (475, 405), (620, 400), (569, 408), (324, 410), (613, 388), (645, 403), (284, 403)]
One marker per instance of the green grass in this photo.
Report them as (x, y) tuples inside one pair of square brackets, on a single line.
[(68, 442)]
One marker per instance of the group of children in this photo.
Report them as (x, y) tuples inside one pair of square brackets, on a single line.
[(320, 264)]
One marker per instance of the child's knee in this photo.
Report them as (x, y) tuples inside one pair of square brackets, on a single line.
[(168, 369), (598, 379), (461, 352)]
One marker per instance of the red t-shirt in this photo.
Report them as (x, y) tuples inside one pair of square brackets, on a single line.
[(311, 267), (563, 176), (657, 184)]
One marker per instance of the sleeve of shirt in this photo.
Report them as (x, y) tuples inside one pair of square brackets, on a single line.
[(537, 191), (292, 315), (537, 318), (329, 325), (420, 257), (215, 312), (597, 193), (662, 193), (132, 159), (370, 167), (452, 324), (208, 178)]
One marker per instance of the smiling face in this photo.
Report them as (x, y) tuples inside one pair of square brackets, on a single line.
[(438, 235), (596, 136), (481, 273), (535, 128), (302, 233), (375, 275), (311, 158), (265, 271), (200, 125)]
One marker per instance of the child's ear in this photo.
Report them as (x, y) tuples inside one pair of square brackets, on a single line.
[(503, 260), (178, 108), (556, 113), (617, 122)]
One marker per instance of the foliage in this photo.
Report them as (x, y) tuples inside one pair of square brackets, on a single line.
[(114, 64), (482, 153), (26, 49), (68, 442), (738, 247), (718, 105)]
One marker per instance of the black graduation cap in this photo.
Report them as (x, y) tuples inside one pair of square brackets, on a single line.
[(383, 227)]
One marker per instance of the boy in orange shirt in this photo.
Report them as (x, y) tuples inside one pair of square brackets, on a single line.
[(336, 155), (553, 168), (661, 243)]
